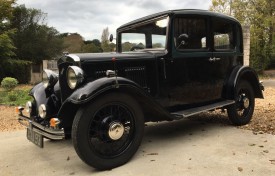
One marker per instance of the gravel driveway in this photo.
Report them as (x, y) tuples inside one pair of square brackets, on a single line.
[(176, 148)]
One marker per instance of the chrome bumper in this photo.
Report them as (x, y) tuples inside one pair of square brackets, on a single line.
[(261, 85), (55, 134)]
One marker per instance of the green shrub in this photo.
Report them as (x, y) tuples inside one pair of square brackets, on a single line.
[(19, 69), (12, 96), (9, 83)]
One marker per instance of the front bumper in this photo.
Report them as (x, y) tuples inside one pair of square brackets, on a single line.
[(50, 133), (261, 85)]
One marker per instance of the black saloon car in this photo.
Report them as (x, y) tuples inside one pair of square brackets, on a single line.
[(167, 66)]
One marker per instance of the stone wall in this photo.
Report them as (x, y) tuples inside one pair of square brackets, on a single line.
[(246, 44), (36, 74)]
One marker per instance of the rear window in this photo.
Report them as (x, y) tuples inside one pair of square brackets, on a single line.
[(223, 35)]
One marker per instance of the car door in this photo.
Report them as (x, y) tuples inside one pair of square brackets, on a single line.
[(191, 79), (224, 50)]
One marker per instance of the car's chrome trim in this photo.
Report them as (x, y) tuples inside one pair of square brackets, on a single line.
[(47, 132), (72, 58)]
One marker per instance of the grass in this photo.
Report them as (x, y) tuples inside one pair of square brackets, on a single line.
[(16, 97)]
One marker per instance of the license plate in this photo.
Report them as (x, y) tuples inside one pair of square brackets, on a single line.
[(35, 138)]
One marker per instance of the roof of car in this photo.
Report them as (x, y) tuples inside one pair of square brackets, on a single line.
[(179, 12)]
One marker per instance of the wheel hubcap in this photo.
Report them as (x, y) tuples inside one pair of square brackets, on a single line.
[(245, 102), (116, 130)]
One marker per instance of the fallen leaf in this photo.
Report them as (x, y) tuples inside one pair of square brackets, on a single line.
[(240, 169), (152, 154), (266, 151), (251, 144), (68, 158)]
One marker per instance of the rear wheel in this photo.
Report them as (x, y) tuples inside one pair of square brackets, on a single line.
[(108, 132), (241, 112)]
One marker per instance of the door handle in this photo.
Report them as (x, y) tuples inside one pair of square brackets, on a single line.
[(214, 59), (211, 59)]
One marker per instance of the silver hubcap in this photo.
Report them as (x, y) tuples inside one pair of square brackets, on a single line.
[(116, 130), (245, 102)]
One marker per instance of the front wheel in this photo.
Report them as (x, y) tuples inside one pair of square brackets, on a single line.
[(107, 132), (240, 113)]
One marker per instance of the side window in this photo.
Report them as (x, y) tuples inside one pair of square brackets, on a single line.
[(132, 41), (223, 35), (158, 41), (190, 33)]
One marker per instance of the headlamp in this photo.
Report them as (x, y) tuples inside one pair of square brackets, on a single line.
[(49, 78), (74, 76)]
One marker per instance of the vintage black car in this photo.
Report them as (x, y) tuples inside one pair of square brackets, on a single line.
[(167, 66)]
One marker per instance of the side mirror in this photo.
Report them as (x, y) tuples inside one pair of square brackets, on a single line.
[(111, 38)]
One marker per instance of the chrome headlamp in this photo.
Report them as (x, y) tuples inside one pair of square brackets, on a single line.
[(49, 78), (28, 107), (74, 76), (42, 111)]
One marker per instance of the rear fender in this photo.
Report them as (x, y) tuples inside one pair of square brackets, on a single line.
[(238, 74)]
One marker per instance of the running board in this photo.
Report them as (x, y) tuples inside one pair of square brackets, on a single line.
[(189, 112)]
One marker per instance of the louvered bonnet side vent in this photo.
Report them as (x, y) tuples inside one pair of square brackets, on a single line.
[(138, 75)]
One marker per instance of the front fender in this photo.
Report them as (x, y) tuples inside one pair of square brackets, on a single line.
[(49, 97), (92, 90), (242, 73)]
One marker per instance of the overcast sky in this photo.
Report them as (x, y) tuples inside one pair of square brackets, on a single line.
[(90, 17)]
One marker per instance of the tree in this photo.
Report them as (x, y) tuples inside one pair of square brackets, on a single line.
[(105, 40), (96, 42), (6, 10), (73, 43), (221, 6), (126, 46), (94, 46), (157, 45), (34, 40), (259, 15), (90, 48), (6, 44)]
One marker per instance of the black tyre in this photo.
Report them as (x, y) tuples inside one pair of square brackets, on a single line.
[(241, 112), (107, 132)]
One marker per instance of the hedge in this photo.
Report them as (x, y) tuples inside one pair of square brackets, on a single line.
[(18, 69)]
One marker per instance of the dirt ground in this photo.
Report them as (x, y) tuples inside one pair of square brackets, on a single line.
[(263, 120)]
